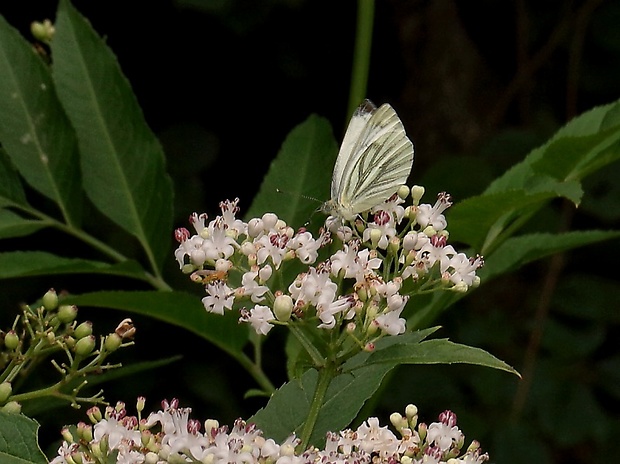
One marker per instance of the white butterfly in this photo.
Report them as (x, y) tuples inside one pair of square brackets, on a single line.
[(375, 158)]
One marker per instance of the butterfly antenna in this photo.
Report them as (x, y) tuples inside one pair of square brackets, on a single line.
[(307, 197)]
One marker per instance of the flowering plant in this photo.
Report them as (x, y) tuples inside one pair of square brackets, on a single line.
[(357, 298)]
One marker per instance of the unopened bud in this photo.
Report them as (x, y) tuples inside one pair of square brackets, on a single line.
[(85, 329), (85, 346), (422, 431), (369, 347), (461, 287), (95, 447), (188, 268), (429, 231), (403, 192), (411, 411), (85, 432), (417, 192), (283, 307), (394, 245), (140, 402), (67, 313), (11, 340), (42, 31), (112, 342), (12, 407), (67, 435), (375, 236), (5, 391), (94, 414), (50, 300), (398, 421)]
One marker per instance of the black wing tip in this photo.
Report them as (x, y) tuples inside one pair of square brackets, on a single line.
[(366, 107)]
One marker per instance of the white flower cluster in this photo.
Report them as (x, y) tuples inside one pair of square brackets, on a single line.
[(363, 283), (170, 436)]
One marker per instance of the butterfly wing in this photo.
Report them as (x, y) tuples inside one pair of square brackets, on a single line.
[(375, 158)]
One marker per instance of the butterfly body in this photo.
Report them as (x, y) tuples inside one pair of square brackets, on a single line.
[(375, 158)]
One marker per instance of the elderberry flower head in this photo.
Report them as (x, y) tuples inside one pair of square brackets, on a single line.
[(357, 276), (170, 435)]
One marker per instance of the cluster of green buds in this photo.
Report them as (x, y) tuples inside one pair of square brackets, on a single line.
[(50, 331)]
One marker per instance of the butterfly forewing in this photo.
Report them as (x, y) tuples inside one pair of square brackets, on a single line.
[(376, 157), (355, 130)]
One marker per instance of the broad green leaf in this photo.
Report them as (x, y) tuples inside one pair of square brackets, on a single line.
[(13, 225), (289, 406), (414, 337), (122, 161), (518, 251), (178, 308), (11, 190), (586, 143), (32, 263), (302, 169), (361, 377), (479, 220), (439, 351), (34, 130), (18, 440)]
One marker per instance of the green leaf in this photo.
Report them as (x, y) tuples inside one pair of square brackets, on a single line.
[(32, 263), (122, 161), (302, 169), (18, 440), (33, 127), (289, 406), (360, 378), (479, 220), (11, 190), (518, 251), (178, 308), (440, 351), (13, 225), (586, 143)]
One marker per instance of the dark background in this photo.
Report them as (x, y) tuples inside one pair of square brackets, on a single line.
[(478, 84)]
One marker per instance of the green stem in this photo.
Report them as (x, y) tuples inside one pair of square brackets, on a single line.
[(155, 280), (255, 371), (317, 358), (361, 53), (326, 375)]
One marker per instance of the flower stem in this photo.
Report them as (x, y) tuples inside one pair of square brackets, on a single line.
[(361, 53), (326, 375)]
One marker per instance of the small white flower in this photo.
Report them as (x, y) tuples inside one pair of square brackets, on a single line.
[(443, 435), (229, 209), (463, 268), (391, 322), (383, 226), (116, 432), (258, 317), (251, 287), (219, 297), (432, 215)]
